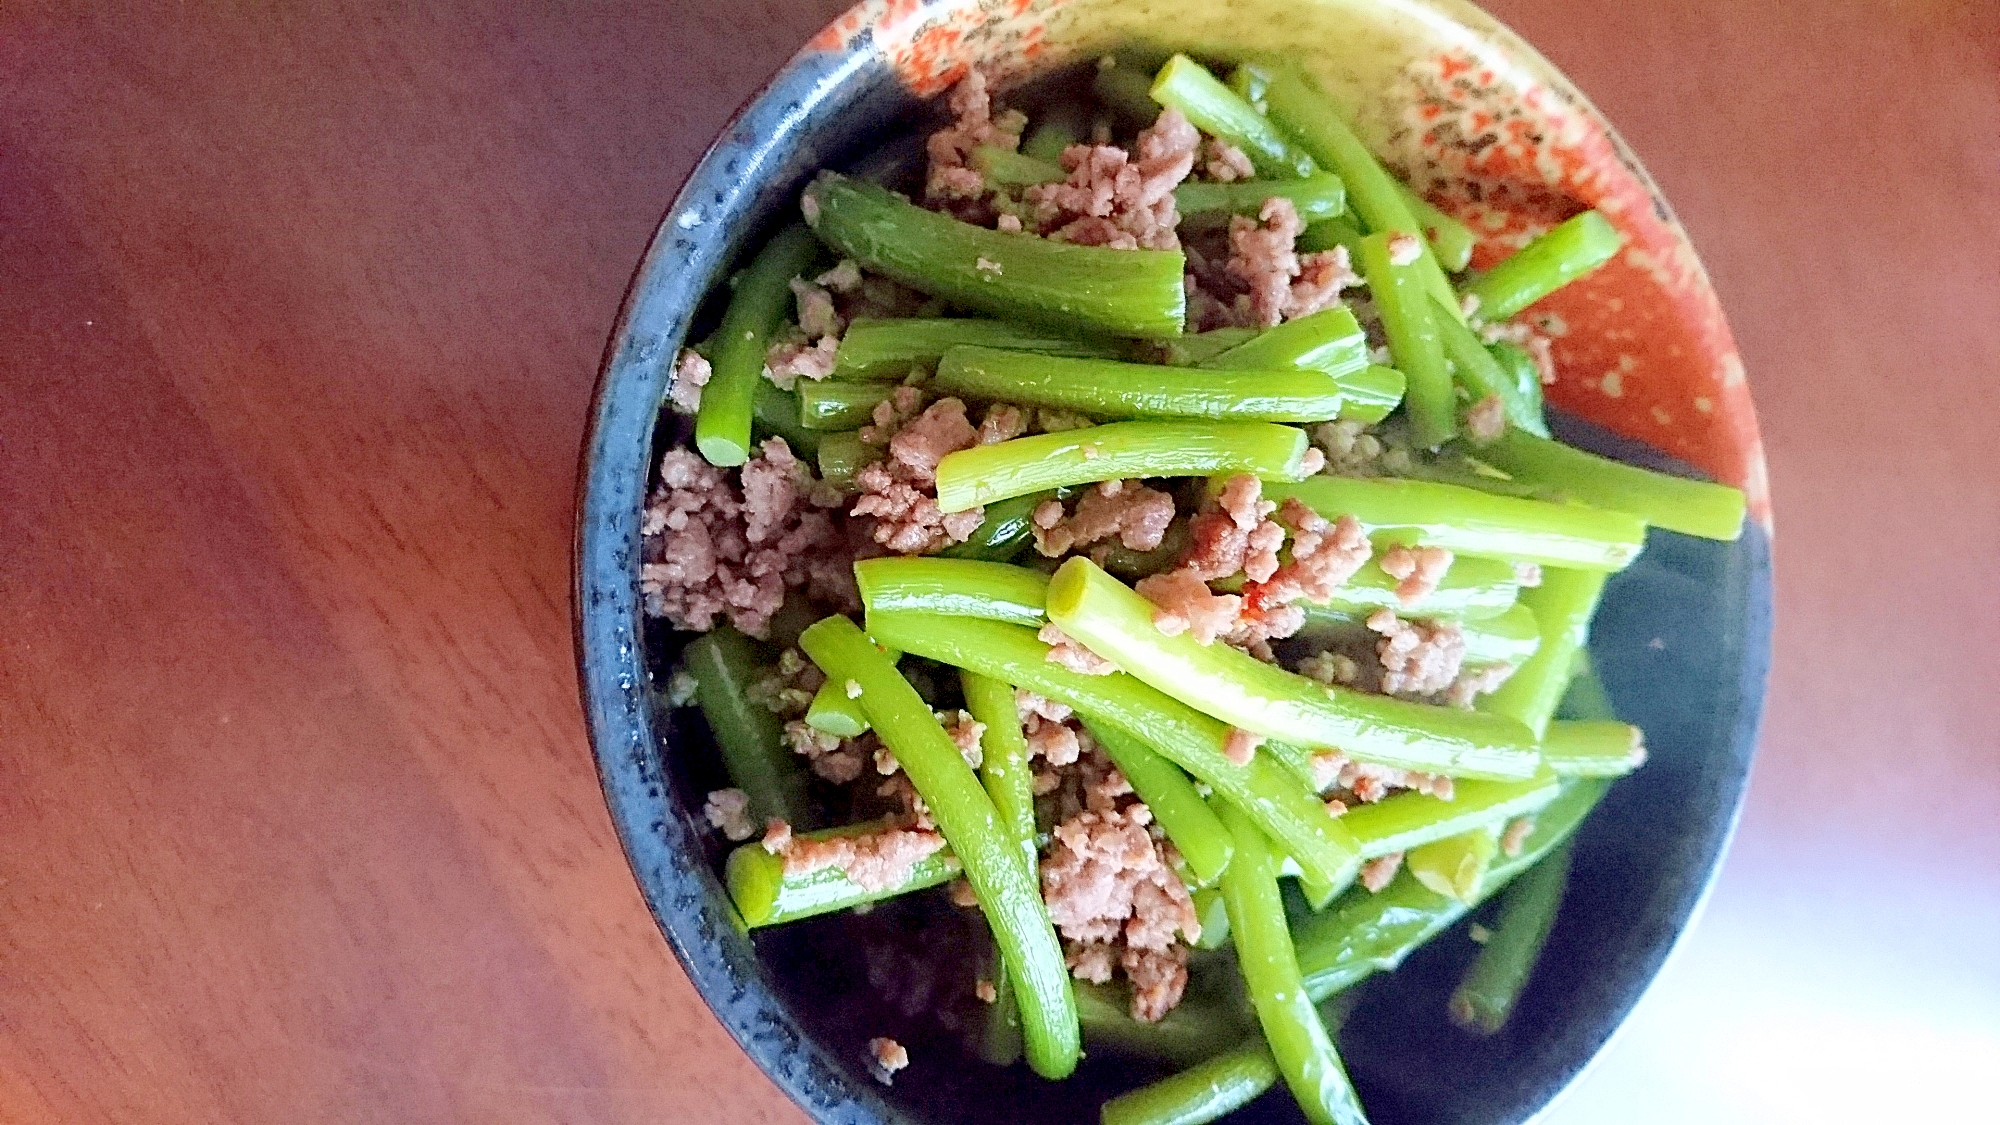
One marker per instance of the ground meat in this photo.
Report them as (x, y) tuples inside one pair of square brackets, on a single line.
[(1404, 249), (1158, 976), (1281, 284), (1418, 657), (1224, 162), (1056, 743), (729, 811), (1487, 419), (828, 756), (817, 315), (1336, 808), (1376, 873), (985, 991), (960, 892), (1516, 835), (965, 732), (1136, 514), (1119, 199), (1324, 556), (844, 278), (974, 124), (1417, 571), (891, 414), (1090, 960), (1220, 533), (1049, 420), (897, 493), (1030, 705), (1183, 603), (911, 811), (886, 1057), (787, 689), (873, 861), (716, 549), (1240, 747), (788, 361), (1329, 668), (1108, 882), (924, 441), (1475, 682), (1369, 782), (777, 836), (691, 374), (1071, 655), (1002, 423)]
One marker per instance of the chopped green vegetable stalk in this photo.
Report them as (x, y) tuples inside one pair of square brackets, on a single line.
[(1249, 81), (1310, 118), (1060, 129), (832, 404), (1126, 89), (997, 1036), (885, 350), (1318, 196), (952, 587), (1586, 698), (1574, 248), (1411, 820), (1203, 1093), (1199, 347), (1006, 168), (1107, 388), (842, 456), (1469, 522), (1450, 240), (1455, 867), (1330, 340), (1299, 1041), (1214, 916), (1116, 623), (986, 473), (1003, 766), (1008, 526), (1486, 995), (1482, 376), (1558, 471), (1509, 638), (724, 664), (1180, 811), (1001, 879), (1369, 933), (1410, 323), (1593, 748), (1562, 605), (838, 713), (1187, 1034), (1087, 288), (1267, 791), (766, 894), (760, 305), (1215, 109), (1329, 233), (775, 413)]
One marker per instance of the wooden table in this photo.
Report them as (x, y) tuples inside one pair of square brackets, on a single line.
[(299, 310)]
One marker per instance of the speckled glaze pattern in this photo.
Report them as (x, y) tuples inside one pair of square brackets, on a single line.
[(1648, 373)]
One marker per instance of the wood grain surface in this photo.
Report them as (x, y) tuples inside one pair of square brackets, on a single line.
[(300, 305)]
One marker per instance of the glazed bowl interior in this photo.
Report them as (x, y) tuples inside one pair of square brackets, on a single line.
[(1649, 376)]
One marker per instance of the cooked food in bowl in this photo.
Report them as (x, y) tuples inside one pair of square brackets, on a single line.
[(1136, 531)]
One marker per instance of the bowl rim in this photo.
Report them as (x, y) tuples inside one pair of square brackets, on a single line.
[(613, 471)]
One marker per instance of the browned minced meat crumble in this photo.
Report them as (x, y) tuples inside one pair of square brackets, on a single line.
[(732, 545)]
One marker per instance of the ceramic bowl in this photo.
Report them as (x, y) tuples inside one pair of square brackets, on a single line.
[(1649, 373)]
